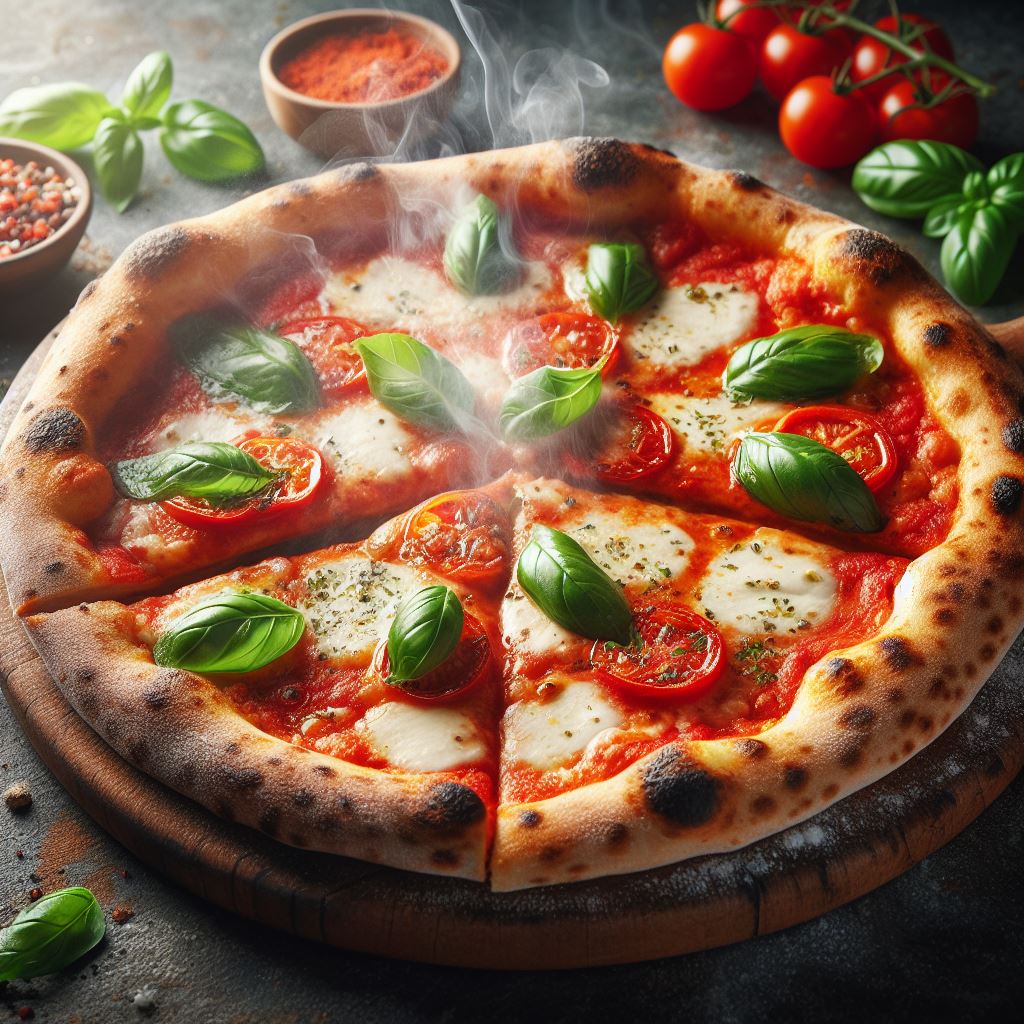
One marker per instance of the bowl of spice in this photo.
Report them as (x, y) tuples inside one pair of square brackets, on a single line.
[(45, 202), (359, 82)]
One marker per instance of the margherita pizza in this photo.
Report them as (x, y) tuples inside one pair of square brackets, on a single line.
[(705, 511)]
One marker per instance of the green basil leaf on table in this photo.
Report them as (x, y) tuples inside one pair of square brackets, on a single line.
[(212, 470), (567, 585), (117, 153), (207, 143), (148, 87), (417, 383), (267, 371), (801, 363), (619, 279), (50, 934), (943, 215), (1006, 186), (64, 116), (976, 253), (907, 178), (234, 632), (548, 400), (424, 634), (799, 477), (474, 259)]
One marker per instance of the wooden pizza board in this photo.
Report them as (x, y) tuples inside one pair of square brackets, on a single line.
[(811, 868)]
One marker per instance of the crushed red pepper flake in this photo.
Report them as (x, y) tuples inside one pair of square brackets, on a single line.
[(35, 201)]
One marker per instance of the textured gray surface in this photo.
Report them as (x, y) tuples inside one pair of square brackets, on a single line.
[(942, 941)]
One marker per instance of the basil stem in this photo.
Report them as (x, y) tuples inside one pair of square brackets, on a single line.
[(474, 258), (233, 632), (417, 383), (207, 143), (213, 470), (64, 116), (425, 632), (117, 154), (976, 253), (149, 86), (619, 279), (801, 478), (801, 363), (50, 934), (571, 589), (548, 400)]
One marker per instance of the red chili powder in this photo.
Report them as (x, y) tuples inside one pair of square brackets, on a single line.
[(365, 67)]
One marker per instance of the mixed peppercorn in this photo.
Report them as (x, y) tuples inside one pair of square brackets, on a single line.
[(35, 202)]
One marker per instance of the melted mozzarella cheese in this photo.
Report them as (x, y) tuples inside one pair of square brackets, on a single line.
[(421, 739), (351, 603), (550, 734), (709, 424), (485, 373), (757, 587), (645, 552), (363, 440), (208, 425), (528, 630), (682, 325)]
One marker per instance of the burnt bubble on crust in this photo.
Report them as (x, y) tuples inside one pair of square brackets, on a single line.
[(938, 335), (1006, 494), (153, 253), (450, 805), (745, 181), (680, 790), (1013, 436), (361, 171), (879, 258), (54, 430), (599, 163)]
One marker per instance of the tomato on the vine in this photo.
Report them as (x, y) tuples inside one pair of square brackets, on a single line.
[(953, 120), (708, 68), (825, 128), (871, 56), (746, 18), (788, 56)]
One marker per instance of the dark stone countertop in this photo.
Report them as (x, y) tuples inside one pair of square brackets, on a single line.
[(942, 942)]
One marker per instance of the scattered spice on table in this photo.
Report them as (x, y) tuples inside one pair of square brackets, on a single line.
[(363, 67), (35, 201)]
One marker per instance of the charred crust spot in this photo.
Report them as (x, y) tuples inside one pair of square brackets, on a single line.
[(876, 256), (897, 653), (944, 616), (303, 798), (986, 652), (1006, 494), (444, 858), (994, 625), (794, 777), (138, 751), (907, 718), (925, 723), (848, 680), (599, 163), (859, 719), (155, 252), (763, 804), (938, 335), (451, 805), (751, 748), (829, 791), (549, 854), (274, 761), (895, 695), (680, 790), (837, 667), (157, 697), (269, 820), (55, 430), (115, 340), (325, 770), (745, 181), (1013, 436), (300, 189), (233, 748), (530, 819), (244, 778), (88, 291), (617, 834), (361, 171), (850, 750)]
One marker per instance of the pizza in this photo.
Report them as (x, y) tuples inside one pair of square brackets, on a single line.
[(529, 516)]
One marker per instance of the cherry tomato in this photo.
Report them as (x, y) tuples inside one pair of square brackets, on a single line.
[(558, 339), (747, 19), (954, 120), (707, 68), (680, 657), (636, 443), (300, 469), (858, 437), (872, 56), (824, 128), (462, 535), (789, 56), (465, 668), (327, 340)]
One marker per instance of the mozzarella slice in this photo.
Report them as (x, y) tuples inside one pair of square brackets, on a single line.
[(550, 734), (421, 739), (208, 425), (760, 586), (709, 424), (632, 553), (363, 440), (528, 630)]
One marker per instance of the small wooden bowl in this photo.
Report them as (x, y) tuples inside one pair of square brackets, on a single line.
[(358, 129), (41, 261)]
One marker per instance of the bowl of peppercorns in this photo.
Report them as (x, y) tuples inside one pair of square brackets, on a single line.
[(45, 202)]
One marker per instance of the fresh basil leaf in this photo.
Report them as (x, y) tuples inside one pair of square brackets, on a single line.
[(417, 383), (234, 632), (548, 400), (424, 634), (1006, 185), (976, 253), (149, 86), (212, 470), (801, 363), (117, 154), (619, 279), (269, 372), (907, 178), (207, 143), (943, 215), (50, 934), (474, 259), (571, 589), (801, 478), (64, 116)]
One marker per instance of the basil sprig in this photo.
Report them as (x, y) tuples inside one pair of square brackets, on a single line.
[(474, 258), (571, 589), (801, 478), (149, 85), (801, 363), (234, 632), (207, 143), (213, 470), (976, 252), (424, 634), (50, 934), (64, 116), (619, 279), (417, 383), (548, 400), (268, 372)]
